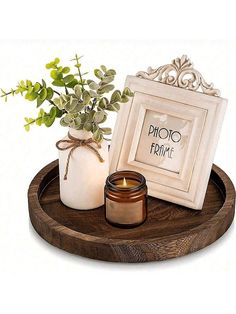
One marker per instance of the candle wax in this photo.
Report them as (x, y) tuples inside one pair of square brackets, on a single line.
[(126, 183)]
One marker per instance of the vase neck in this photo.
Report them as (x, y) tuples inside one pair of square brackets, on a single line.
[(81, 134)]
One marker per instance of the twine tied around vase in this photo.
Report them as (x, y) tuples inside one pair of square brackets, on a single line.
[(74, 143)]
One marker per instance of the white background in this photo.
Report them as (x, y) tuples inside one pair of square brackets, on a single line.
[(129, 36)]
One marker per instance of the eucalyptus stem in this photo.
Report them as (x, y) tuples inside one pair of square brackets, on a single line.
[(56, 92), (80, 75), (33, 121), (6, 94)]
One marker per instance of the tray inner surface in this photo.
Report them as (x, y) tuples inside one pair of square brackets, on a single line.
[(164, 218)]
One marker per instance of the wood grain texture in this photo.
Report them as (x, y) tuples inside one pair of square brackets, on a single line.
[(170, 230)]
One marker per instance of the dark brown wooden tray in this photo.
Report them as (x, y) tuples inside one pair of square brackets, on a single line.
[(170, 230)]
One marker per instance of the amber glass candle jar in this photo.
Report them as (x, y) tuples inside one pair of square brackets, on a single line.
[(126, 199)]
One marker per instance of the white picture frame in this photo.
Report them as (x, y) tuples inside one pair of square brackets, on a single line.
[(169, 132)]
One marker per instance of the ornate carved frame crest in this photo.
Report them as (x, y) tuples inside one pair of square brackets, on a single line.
[(180, 73)]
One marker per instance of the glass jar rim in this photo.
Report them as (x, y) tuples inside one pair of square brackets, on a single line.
[(128, 175)]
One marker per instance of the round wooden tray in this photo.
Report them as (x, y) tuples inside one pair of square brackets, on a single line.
[(169, 231)]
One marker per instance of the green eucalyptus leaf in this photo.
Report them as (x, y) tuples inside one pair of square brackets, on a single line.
[(67, 106), (39, 102), (81, 127), (78, 108), (43, 94), (116, 96), (103, 68), (39, 121), (41, 112), (93, 94), (105, 89), (29, 120), (72, 84), (108, 79), (54, 74), (49, 65), (128, 92), (86, 97), (59, 69), (103, 102), (68, 79), (106, 131), (95, 127), (66, 70), (31, 96), (113, 107), (49, 93), (53, 112), (93, 85), (65, 97), (56, 61), (124, 98), (30, 89), (59, 102), (97, 135), (44, 83), (91, 115), (22, 83), (88, 126), (98, 73), (63, 122), (116, 106), (58, 83), (59, 76), (71, 104), (48, 121), (68, 118), (19, 90), (78, 91), (83, 117), (78, 65), (98, 116), (104, 119), (36, 87), (59, 113), (27, 127), (110, 72), (73, 101), (77, 122)]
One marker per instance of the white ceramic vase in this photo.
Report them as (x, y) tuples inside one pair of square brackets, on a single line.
[(84, 187)]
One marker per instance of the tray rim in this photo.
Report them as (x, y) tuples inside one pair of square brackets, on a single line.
[(35, 206)]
